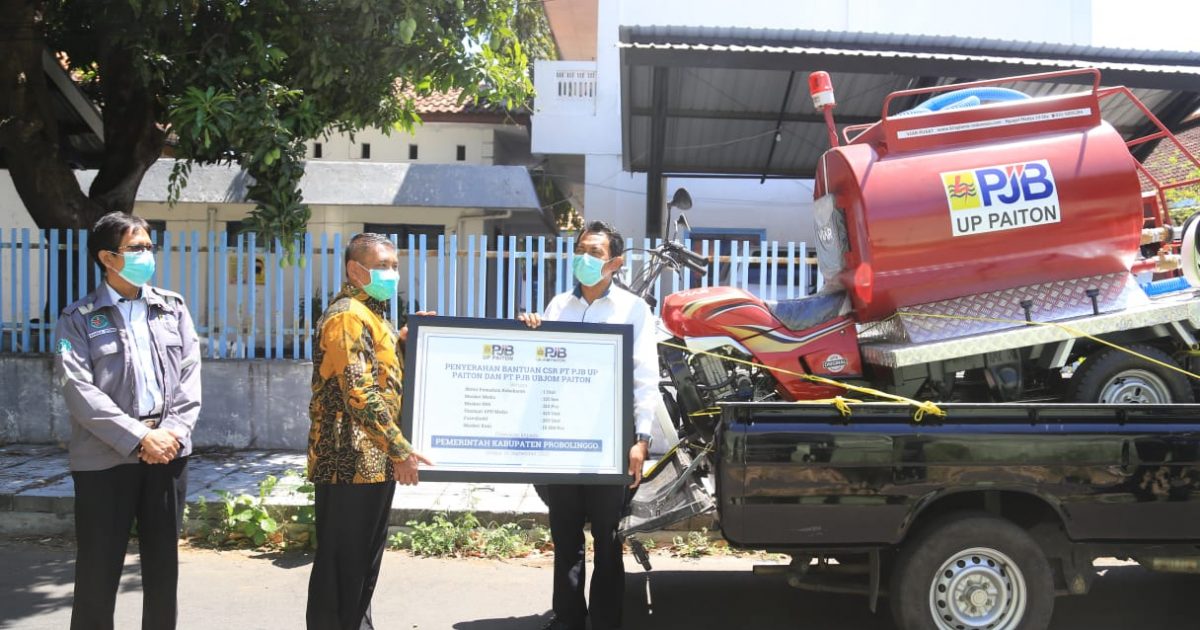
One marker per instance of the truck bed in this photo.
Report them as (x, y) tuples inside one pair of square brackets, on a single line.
[(800, 475)]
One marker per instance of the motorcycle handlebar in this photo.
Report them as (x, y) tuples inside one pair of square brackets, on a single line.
[(699, 268), (687, 257)]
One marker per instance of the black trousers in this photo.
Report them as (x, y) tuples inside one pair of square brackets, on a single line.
[(570, 506), (352, 524), (107, 503)]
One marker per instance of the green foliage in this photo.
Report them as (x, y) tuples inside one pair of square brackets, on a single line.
[(244, 521), (247, 521), (250, 82), (466, 536), (696, 545), (300, 532), (566, 215)]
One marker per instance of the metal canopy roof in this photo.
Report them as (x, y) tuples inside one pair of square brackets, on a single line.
[(735, 101)]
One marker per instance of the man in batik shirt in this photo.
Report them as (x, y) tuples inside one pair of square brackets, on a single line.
[(355, 448)]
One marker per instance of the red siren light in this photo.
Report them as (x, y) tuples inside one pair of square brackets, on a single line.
[(821, 88)]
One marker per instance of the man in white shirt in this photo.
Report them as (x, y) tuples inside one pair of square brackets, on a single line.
[(596, 299)]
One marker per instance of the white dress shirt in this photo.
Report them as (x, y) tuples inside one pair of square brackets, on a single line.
[(137, 329), (618, 306)]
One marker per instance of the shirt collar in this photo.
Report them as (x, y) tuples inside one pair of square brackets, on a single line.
[(376, 306), (115, 298), (578, 290)]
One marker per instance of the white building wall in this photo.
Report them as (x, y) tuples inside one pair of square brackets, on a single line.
[(437, 143), (12, 210), (568, 127)]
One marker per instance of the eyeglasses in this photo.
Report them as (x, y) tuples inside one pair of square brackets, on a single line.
[(137, 249)]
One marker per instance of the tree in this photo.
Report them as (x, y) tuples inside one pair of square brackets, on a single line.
[(230, 81)]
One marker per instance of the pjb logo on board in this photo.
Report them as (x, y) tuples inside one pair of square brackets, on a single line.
[(498, 351), (551, 353)]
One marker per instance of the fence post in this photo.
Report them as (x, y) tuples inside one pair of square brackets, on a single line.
[(453, 251), (541, 276), (25, 331), (500, 293), (223, 298), (441, 266), (12, 303), (252, 293), (298, 248), (394, 303), (210, 314), (483, 270), (471, 276), (512, 278), (52, 284), (309, 321)]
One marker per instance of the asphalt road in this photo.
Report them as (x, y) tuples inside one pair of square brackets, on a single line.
[(247, 591)]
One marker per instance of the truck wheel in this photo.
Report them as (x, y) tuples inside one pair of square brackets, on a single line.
[(1115, 377), (972, 572)]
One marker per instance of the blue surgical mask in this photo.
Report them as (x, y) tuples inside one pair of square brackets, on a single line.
[(139, 267), (589, 270), (383, 284)]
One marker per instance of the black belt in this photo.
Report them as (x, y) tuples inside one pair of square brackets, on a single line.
[(151, 421)]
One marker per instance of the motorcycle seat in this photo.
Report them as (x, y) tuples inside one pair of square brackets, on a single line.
[(806, 312)]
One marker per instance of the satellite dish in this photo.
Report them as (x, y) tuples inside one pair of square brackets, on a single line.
[(681, 199)]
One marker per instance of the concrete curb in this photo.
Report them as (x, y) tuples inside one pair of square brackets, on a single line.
[(37, 493)]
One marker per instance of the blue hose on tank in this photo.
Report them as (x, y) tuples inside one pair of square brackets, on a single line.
[(962, 99), (1170, 285)]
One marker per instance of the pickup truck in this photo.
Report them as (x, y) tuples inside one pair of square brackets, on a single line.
[(975, 520)]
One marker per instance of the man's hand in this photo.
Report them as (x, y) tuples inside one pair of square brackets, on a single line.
[(637, 458), (159, 446), (404, 329), (532, 320), (406, 471)]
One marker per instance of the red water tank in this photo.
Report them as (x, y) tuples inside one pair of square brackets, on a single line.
[(967, 201)]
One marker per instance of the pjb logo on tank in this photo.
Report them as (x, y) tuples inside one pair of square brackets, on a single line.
[(1003, 197)]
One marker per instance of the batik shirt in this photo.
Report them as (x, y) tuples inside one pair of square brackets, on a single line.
[(355, 411)]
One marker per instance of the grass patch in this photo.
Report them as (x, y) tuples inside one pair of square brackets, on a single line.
[(465, 536)]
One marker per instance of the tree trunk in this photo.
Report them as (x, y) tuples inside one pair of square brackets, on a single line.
[(29, 134), (30, 141), (132, 137)]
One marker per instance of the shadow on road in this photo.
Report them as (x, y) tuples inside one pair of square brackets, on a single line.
[(739, 599), (1121, 598), (286, 559), (25, 579), (1132, 597), (528, 622)]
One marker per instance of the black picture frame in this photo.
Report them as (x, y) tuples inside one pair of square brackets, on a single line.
[(413, 372)]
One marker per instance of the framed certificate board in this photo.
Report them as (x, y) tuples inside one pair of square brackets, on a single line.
[(493, 400)]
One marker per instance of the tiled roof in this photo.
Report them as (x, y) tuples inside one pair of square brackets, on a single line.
[(1169, 164), (444, 103)]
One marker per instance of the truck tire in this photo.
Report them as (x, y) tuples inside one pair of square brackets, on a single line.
[(972, 572), (1111, 376)]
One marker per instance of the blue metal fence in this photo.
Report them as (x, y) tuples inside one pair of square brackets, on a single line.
[(249, 303)]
